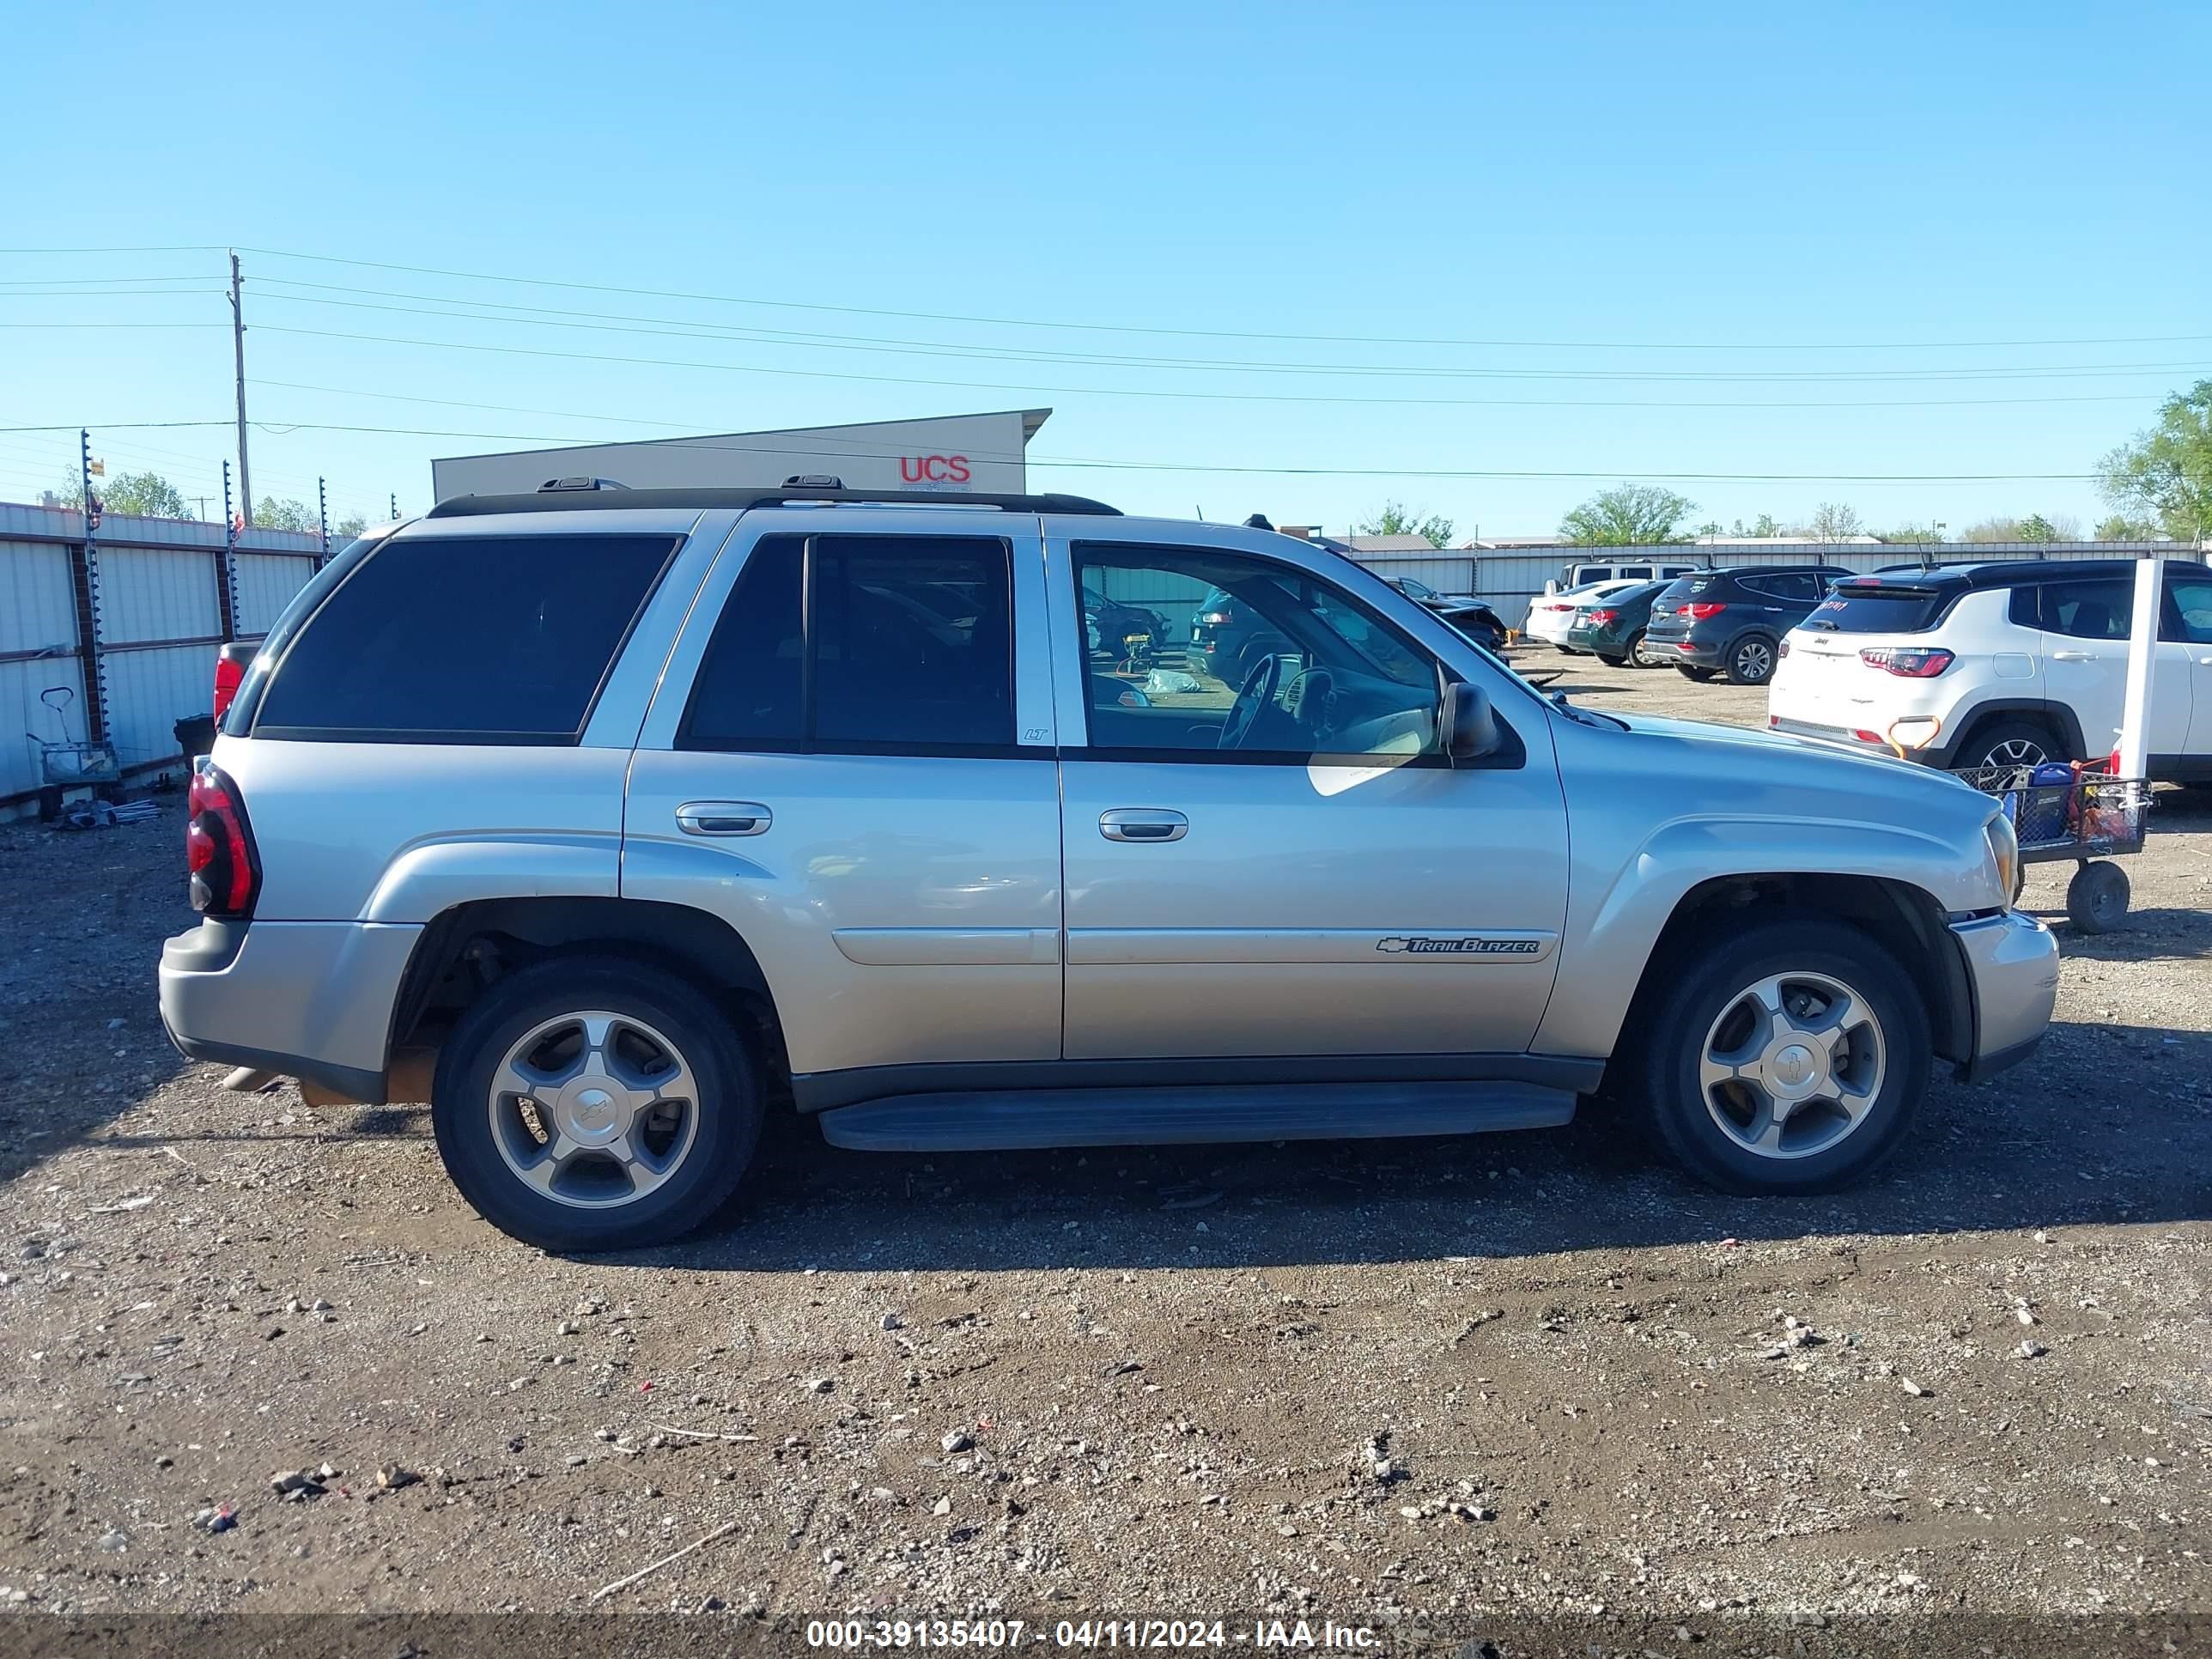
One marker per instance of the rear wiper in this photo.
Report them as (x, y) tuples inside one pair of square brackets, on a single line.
[(1811, 622)]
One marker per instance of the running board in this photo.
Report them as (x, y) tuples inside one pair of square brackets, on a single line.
[(1006, 1119)]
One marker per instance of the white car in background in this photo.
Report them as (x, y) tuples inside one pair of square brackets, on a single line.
[(2006, 664), (1551, 615)]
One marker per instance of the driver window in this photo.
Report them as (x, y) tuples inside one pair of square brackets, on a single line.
[(1190, 650)]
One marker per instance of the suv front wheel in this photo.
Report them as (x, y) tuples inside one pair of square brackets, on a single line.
[(1788, 1060), (594, 1103)]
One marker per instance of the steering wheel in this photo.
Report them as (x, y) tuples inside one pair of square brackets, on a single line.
[(1258, 691)]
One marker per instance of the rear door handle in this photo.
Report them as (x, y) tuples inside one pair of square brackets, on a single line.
[(2073, 656), (1142, 823), (723, 818)]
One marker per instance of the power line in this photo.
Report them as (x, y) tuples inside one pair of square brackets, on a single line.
[(113, 426), (2055, 371), (1499, 402), (1209, 333), (1284, 472), (1137, 328), (991, 386)]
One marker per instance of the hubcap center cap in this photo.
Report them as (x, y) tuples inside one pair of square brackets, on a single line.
[(1795, 1070), (591, 1115)]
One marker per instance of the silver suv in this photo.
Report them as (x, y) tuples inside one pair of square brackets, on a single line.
[(609, 820)]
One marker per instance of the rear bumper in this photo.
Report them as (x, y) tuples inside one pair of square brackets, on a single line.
[(2012, 963), (310, 1000), (1699, 654)]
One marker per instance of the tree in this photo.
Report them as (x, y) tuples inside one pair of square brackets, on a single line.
[(1992, 529), (349, 527), (273, 514), (2118, 527), (1913, 535), (1630, 515), (2166, 474), (148, 494), (1396, 519), (1833, 521), (2064, 527), (1764, 524)]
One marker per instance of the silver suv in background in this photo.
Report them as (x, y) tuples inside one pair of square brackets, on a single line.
[(608, 820)]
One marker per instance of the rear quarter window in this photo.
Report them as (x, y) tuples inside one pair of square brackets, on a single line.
[(473, 638)]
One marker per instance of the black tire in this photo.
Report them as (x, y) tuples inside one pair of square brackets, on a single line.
[(2097, 897), (1700, 675), (1751, 660), (1613, 662), (2011, 740), (1704, 987), (726, 1111)]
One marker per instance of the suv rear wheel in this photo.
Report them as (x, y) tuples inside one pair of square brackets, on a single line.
[(2015, 742), (1788, 1060), (1751, 660), (594, 1103)]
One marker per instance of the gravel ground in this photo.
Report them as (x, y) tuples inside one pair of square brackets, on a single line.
[(1498, 1387)]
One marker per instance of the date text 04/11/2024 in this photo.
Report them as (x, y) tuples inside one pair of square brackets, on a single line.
[(1168, 1634)]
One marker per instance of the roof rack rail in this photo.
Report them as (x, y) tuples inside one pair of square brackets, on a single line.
[(584, 498)]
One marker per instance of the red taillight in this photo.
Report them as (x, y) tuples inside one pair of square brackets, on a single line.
[(1865, 736), (229, 675), (1911, 662), (1603, 618), (226, 875), (1701, 609), (1217, 617)]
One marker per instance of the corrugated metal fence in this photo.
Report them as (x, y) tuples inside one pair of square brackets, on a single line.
[(150, 605), (1510, 581)]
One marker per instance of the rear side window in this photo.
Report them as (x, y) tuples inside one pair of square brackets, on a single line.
[(1879, 609), (2093, 610), (861, 644), (464, 639)]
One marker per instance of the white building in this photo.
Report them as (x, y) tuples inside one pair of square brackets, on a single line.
[(951, 452)]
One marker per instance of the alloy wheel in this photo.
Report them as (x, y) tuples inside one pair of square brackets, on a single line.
[(593, 1110), (1792, 1066), (2016, 752)]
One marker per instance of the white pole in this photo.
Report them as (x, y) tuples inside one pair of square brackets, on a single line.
[(2142, 666)]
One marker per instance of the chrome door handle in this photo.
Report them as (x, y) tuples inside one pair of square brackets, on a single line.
[(1142, 823), (723, 818), (2073, 656), (2207, 661)]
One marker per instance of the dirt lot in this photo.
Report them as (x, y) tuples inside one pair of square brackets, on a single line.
[(1123, 1383)]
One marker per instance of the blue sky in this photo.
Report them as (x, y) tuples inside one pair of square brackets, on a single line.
[(1835, 206)]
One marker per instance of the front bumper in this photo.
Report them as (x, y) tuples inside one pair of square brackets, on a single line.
[(310, 1000), (2012, 965)]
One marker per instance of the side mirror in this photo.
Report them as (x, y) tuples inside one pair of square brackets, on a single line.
[(1470, 728)]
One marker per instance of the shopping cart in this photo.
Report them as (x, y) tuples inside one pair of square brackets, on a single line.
[(2077, 812), (63, 764)]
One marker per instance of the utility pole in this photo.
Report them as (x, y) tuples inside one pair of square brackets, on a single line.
[(238, 350), (395, 507), (323, 514), (201, 502)]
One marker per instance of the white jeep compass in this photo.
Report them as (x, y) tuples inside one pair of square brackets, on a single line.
[(2000, 664)]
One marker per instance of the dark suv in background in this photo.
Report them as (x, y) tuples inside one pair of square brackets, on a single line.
[(1731, 622)]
